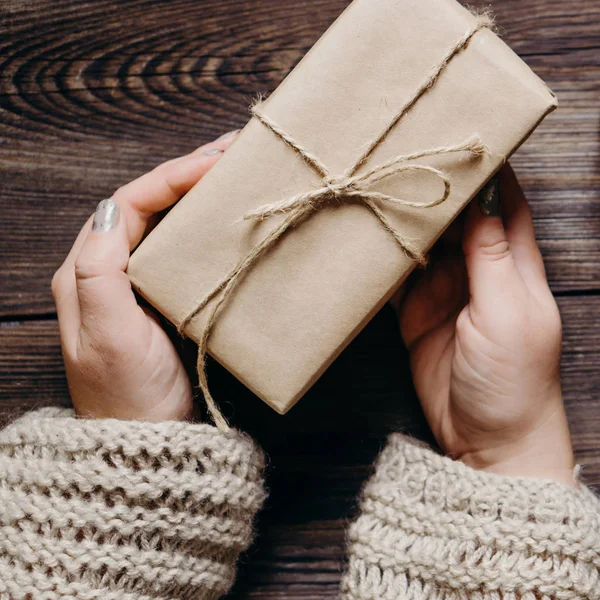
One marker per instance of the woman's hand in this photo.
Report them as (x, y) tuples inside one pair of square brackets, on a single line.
[(484, 335), (119, 361)]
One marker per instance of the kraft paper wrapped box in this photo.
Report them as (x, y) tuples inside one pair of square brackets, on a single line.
[(306, 298)]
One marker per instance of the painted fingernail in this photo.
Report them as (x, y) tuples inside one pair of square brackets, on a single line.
[(229, 134), (106, 216), (489, 199), (211, 152)]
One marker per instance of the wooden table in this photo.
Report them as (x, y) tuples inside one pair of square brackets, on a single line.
[(92, 94)]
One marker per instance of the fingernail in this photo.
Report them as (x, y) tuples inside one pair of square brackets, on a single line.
[(106, 216), (229, 134), (211, 152), (489, 199)]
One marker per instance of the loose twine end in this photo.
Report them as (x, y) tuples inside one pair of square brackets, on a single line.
[(256, 103), (476, 146), (423, 261), (485, 17)]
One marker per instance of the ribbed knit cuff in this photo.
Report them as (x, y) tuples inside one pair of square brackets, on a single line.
[(115, 510), (434, 529)]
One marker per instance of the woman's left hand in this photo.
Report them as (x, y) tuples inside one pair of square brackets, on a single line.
[(120, 363)]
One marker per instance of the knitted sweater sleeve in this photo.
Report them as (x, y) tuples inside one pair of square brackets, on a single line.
[(433, 529), (114, 510)]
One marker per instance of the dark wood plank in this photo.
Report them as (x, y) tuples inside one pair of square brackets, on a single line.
[(93, 94), (321, 452)]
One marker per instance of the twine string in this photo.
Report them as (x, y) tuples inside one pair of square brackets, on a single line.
[(484, 21), (348, 187)]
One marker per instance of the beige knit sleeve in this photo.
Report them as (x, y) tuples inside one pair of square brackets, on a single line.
[(434, 529), (114, 510)]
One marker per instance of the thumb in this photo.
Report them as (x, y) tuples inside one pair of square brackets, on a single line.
[(106, 301), (490, 264)]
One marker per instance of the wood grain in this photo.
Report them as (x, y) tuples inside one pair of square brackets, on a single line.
[(321, 453), (93, 94)]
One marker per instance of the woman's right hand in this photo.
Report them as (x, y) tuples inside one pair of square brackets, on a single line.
[(484, 335)]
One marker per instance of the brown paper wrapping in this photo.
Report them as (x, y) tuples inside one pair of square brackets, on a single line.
[(309, 296)]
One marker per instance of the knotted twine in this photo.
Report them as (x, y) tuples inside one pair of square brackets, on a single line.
[(343, 188)]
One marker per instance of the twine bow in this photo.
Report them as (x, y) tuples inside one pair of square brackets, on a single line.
[(348, 187)]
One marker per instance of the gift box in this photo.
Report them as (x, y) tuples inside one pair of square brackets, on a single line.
[(337, 188)]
